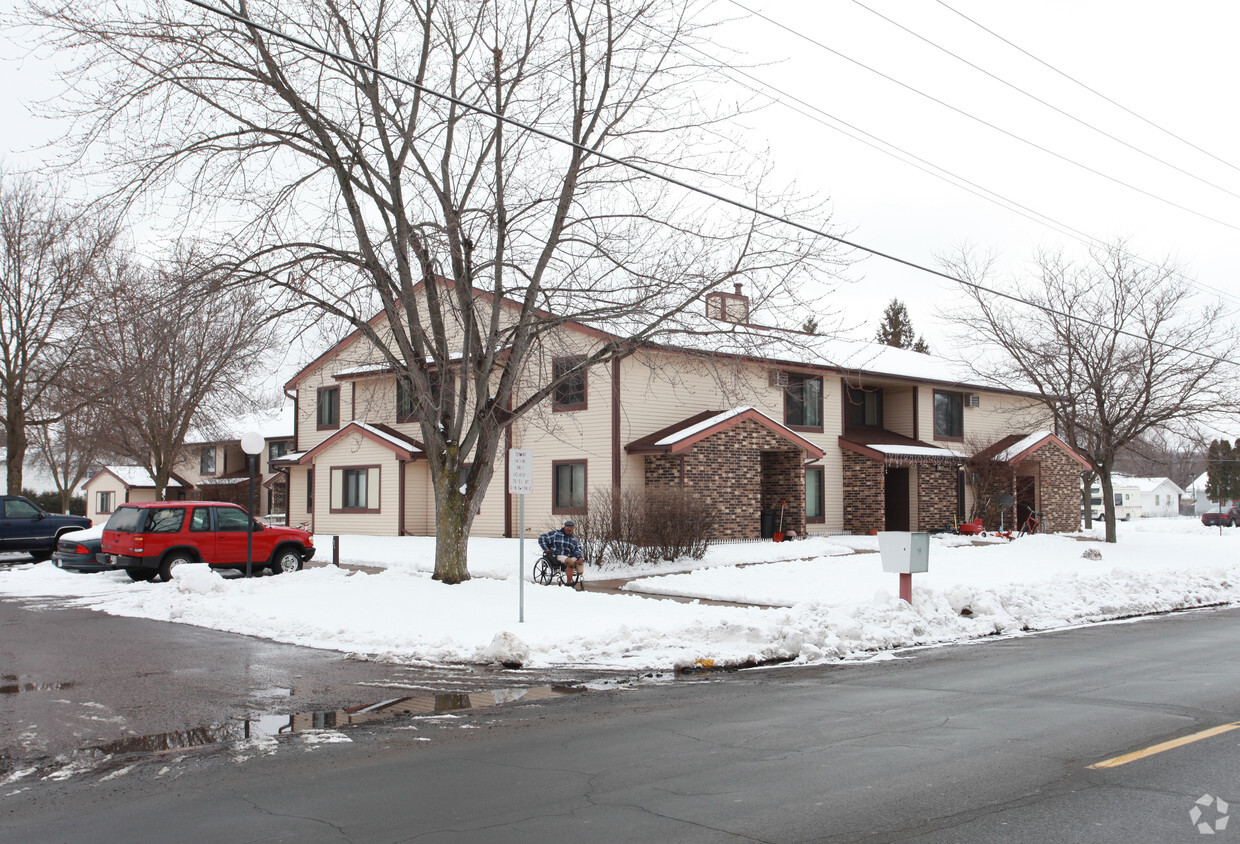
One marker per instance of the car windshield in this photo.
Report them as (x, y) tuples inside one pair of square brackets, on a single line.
[(126, 520)]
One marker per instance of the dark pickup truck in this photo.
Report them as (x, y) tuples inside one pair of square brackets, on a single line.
[(1229, 519), (29, 528)]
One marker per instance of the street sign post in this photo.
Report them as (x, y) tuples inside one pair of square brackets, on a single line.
[(521, 482)]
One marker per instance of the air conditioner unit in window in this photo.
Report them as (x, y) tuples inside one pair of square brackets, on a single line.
[(779, 379), (973, 401)]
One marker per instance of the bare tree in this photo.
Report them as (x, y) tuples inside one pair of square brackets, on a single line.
[(478, 238), (48, 257), (1112, 346), (180, 350), (71, 446)]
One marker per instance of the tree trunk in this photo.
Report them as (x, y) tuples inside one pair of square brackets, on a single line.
[(1108, 501), (1087, 484), (15, 442), (451, 531)]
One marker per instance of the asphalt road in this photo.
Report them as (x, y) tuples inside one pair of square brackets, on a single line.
[(987, 742)]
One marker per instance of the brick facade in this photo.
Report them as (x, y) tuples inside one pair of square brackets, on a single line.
[(864, 507), (740, 471), (936, 495), (1059, 490)]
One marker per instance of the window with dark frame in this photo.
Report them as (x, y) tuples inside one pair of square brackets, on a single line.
[(865, 408), (948, 415), (329, 407), (105, 502), (309, 490), (278, 449), (206, 463), (406, 407), (570, 394), (569, 486), (814, 509), (803, 401), (353, 492)]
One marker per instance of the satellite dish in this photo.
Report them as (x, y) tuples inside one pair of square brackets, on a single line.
[(1006, 500)]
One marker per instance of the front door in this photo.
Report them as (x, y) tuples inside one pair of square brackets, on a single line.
[(896, 498), (1026, 498)]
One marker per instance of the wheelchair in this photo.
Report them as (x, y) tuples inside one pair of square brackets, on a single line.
[(549, 570)]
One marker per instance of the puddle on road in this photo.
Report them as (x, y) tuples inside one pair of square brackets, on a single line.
[(264, 725)]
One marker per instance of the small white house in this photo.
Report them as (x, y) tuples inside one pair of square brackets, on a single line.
[(1159, 496), (1127, 499), (1203, 496), (112, 486)]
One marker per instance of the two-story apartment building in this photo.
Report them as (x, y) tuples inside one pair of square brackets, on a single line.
[(848, 436)]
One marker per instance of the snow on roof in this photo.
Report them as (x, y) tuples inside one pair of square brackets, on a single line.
[(685, 433), (379, 432), (137, 476), (916, 451), (1021, 446), (1145, 484)]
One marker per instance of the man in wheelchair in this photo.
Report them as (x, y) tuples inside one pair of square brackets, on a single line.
[(565, 548)]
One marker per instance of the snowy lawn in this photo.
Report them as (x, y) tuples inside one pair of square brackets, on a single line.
[(827, 602)]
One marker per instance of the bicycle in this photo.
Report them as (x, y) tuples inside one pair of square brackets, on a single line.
[(1032, 523)]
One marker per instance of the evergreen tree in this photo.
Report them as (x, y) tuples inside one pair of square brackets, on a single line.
[(897, 330), (1223, 472)]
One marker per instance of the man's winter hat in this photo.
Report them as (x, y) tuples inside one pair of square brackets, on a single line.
[(570, 522)]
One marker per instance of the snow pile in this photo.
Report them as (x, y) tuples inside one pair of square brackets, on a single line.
[(806, 601)]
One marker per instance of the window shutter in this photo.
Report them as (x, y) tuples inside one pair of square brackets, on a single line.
[(337, 488)]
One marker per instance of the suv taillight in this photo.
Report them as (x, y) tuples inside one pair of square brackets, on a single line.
[(138, 543)]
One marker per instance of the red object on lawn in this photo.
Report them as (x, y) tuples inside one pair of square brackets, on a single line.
[(779, 534), (972, 528)]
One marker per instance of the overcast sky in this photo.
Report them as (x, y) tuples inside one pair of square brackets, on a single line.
[(1173, 64)]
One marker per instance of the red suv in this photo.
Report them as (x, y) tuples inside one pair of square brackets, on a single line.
[(149, 540)]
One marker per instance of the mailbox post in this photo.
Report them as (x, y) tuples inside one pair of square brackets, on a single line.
[(904, 553)]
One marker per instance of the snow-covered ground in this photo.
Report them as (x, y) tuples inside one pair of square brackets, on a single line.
[(825, 602)]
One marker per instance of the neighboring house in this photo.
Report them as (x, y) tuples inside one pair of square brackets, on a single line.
[(1127, 499), (852, 436), (217, 471), (1159, 496), (112, 486), (1204, 500)]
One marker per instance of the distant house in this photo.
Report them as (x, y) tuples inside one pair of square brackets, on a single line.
[(113, 486), (1204, 499), (1159, 496)]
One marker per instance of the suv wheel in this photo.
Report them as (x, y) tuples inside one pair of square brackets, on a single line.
[(140, 575), (286, 561), (176, 558)]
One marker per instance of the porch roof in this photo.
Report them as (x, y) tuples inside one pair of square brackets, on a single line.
[(896, 449), (1017, 447), (404, 447), (681, 436)]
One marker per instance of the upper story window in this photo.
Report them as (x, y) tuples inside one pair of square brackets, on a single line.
[(278, 449), (570, 394), (407, 406), (329, 407), (803, 401), (864, 408), (206, 463), (948, 416)]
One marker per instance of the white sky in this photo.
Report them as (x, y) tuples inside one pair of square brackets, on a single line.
[(1173, 64)]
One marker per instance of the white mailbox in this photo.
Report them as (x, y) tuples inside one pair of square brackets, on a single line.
[(904, 552)]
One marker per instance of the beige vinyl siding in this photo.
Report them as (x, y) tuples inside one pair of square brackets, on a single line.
[(297, 513), (353, 451), (105, 482), (996, 417), (898, 411)]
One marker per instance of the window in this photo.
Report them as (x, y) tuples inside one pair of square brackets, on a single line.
[(105, 502), (407, 406), (206, 463), (1157, 500), (1119, 500), (200, 522), (278, 449), (16, 508), (570, 394), (948, 416), (814, 511), (569, 486), (309, 490), (231, 519), (354, 490), (165, 520), (865, 408), (329, 407), (803, 401)]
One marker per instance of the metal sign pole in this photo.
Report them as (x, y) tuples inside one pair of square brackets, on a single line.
[(520, 482), (521, 565)]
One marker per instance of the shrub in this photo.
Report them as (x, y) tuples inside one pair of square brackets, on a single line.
[(624, 527)]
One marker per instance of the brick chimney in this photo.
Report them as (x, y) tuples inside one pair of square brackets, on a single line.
[(728, 307)]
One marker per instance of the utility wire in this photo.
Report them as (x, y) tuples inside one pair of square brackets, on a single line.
[(779, 96), (1096, 93), (1051, 106), (985, 123), (654, 174)]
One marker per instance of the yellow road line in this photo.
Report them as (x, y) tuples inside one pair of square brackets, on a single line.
[(1166, 745)]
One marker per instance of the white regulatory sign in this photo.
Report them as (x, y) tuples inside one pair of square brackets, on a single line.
[(520, 471)]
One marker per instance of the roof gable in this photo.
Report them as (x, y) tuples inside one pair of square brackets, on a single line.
[(404, 447), (681, 436)]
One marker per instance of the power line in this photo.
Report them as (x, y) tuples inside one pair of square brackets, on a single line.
[(1051, 106), (672, 180), (985, 123), (1096, 93)]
